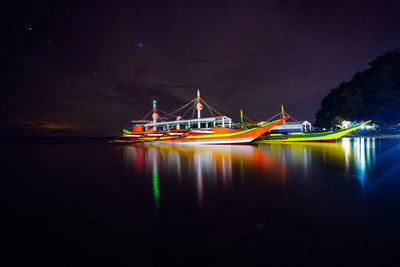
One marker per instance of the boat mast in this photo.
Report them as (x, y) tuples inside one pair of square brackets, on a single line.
[(155, 115), (199, 107), (241, 117)]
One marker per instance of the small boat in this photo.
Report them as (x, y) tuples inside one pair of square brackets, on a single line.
[(217, 130), (282, 135)]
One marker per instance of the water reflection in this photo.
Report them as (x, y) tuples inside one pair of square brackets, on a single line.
[(348, 157), (359, 153), (156, 191), (208, 167), (206, 164)]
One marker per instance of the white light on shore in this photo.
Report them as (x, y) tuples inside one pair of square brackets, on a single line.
[(345, 124)]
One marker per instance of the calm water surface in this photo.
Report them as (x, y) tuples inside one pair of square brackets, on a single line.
[(85, 202)]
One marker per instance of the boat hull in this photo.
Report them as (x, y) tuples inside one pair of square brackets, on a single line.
[(310, 136), (239, 141)]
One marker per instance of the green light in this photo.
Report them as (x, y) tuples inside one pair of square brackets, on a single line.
[(154, 101), (156, 191)]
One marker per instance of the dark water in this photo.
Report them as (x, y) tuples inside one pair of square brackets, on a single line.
[(88, 203)]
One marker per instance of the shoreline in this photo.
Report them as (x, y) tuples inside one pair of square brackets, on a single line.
[(372, 136)]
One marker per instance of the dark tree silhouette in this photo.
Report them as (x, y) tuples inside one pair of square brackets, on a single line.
[(373, 94)]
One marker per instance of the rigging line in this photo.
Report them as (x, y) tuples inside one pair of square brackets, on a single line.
[(184, 114), (194, 110), (247, 118), (204, 102), (163, 112), (161, 119), (179, 109), (165, 117), (274, 116), (291, 117), (168, 114), (187, 104), (209, 108), (269, 113), (145, 116), (219, 113), (210, 111), (194, 103)]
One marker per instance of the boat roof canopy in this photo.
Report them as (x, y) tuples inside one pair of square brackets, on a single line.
[(141, 121), (292, 125)]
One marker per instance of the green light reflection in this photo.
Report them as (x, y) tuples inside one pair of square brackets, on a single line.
[(156, 191)]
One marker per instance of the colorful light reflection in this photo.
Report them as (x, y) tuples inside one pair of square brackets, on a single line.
[(284, 165)]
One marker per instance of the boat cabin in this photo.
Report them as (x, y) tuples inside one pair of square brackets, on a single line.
[(290, 127)]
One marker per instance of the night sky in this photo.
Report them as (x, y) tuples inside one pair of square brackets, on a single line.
[(93, 66)]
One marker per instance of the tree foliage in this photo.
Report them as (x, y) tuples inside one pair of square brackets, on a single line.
[(373, 94)]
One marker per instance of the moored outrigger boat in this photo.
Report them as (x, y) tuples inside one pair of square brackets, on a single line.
[(301, 132), (326, 136), (217, 130)]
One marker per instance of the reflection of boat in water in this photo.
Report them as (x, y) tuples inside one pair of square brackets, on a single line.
[(201, 131), (304, 136), (204, 168), (198, 166), (303, 154)]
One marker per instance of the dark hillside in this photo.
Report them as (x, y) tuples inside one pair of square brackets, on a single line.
[(372, 94)]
